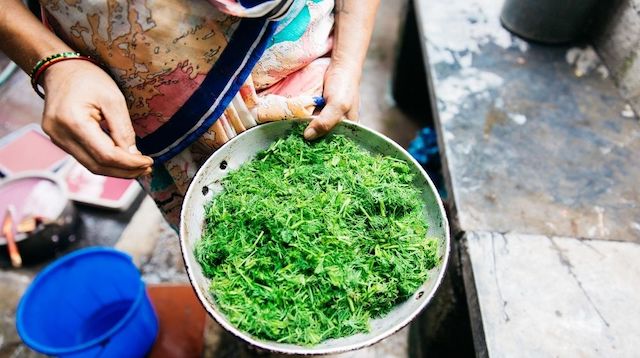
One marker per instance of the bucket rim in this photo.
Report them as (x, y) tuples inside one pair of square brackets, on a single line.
[(42, 348)]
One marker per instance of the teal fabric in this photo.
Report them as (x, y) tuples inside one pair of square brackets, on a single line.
[(295, 29), (295, 23), (160, 179)]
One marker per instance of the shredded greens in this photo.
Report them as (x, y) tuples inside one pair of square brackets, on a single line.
[(310, 240)]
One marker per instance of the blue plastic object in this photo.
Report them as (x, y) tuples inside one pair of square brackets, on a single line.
[(424, 148), (90, 303)]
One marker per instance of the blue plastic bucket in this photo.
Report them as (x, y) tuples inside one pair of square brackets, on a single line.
[(90, 303)]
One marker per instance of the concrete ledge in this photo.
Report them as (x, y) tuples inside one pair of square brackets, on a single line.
[(552, 296)]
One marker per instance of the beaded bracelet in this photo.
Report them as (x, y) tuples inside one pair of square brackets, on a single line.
[(46, 62)]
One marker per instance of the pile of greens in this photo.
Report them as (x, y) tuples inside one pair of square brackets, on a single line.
[(312, 239)]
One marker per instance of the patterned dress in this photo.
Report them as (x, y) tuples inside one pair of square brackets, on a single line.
[(195, 73)]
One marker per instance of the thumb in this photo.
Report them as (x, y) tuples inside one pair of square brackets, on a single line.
[(324, 122), (120, 128)]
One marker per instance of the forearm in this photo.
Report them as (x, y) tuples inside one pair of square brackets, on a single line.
[(354, 20), (23, 37)]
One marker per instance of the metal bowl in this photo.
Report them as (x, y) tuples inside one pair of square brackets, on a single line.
[(243, 148), (46, 239)]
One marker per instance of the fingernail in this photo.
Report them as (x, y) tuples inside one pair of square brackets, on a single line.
[(134, 150), (310, 134)]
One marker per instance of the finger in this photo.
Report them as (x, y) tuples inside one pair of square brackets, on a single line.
[(118, 121), (102, 149), (77, 151), (324, 122)]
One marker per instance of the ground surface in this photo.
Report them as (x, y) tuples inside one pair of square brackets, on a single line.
[(541, 161)]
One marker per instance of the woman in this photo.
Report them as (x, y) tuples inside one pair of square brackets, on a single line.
[(178, 78)]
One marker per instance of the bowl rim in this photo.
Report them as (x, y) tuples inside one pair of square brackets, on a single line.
[(35, 174), (298, 349)]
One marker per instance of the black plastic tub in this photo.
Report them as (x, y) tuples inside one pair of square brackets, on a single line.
[(547, 21)]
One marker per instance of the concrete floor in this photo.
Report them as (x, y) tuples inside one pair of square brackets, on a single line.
[(378, 110), (157, 250)]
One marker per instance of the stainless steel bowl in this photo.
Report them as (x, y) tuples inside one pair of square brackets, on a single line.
[(243, 148)]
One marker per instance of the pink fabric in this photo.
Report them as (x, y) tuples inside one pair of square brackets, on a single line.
[(306, 81)]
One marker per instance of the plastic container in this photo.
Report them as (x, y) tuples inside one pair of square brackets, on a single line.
[(89, 303)]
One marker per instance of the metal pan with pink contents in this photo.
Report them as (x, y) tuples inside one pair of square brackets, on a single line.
[(36, 211)]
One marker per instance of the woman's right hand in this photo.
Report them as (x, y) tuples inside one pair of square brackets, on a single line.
[(80, 100)]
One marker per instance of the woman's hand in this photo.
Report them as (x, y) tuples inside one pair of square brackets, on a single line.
[(341, 93), (352, 32), (80, 100)]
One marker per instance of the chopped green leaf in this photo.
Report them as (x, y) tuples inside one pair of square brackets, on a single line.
[(311, 240)]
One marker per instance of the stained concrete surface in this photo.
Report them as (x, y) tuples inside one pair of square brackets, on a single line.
[(165, 264), (530, 144), (541, 296), (617, 39), (541, 161), (12, 286)]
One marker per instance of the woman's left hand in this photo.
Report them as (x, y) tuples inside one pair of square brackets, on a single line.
[(342, 80), (341, 93)]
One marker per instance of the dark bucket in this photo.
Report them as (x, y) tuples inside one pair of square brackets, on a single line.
[(547, 21)]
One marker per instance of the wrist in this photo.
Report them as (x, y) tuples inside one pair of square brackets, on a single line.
[(349, 72), (54, 73), (48, 67), (345, 61), (348, 61)]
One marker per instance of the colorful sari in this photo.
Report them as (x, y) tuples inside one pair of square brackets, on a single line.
[(196, 73)]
